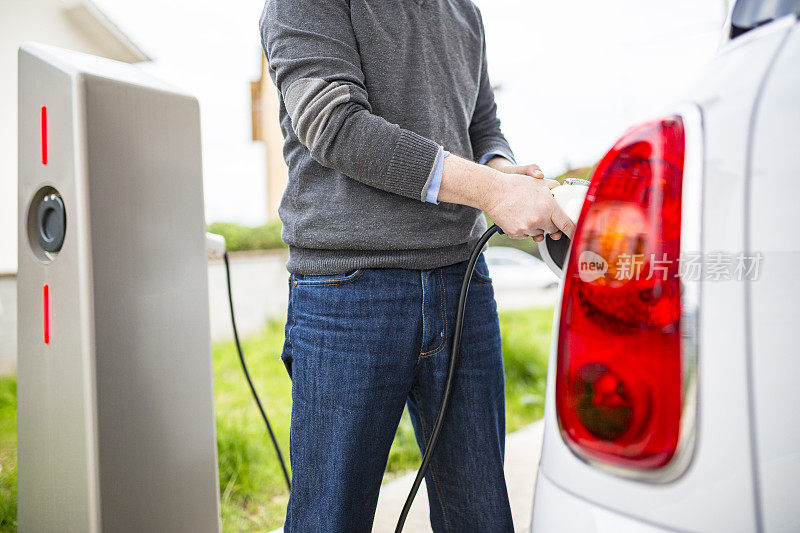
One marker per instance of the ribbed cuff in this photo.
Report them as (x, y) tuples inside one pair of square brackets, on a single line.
[(411, 165), (489, 145)]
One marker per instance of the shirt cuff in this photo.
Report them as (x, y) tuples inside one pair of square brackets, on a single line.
[(488, 157), (432, 194)]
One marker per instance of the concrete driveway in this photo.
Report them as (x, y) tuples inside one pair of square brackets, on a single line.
[(523, 449)]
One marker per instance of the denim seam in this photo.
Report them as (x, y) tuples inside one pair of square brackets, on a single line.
[(322, 283), (432, 470), (444, 320), (423, 313)]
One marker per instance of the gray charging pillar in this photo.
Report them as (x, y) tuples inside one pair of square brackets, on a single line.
[(116, 427)]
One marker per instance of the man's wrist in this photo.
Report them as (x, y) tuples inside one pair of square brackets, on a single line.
[(467, 183), (494, 184)]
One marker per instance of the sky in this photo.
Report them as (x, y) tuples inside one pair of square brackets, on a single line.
[(571, 76)]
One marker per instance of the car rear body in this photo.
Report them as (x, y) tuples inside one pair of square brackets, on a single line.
[(739, 466)]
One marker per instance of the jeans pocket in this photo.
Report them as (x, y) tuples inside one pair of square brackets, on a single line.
[(481, 272), (326, 279)]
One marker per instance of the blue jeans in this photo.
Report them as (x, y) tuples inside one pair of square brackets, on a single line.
[(361, 345)]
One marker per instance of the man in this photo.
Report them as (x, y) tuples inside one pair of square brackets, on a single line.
[(386, 107)]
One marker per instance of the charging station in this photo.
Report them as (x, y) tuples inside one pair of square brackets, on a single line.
[(116, 427)]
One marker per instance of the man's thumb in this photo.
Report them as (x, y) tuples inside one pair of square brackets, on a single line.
[(534, 171)]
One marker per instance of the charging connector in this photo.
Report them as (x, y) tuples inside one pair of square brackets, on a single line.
[(215, 246)]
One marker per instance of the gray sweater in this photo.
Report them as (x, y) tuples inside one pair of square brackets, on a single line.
[(371, 92)]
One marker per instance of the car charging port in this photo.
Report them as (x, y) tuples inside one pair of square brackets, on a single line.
[(46, 224), (52, 223)]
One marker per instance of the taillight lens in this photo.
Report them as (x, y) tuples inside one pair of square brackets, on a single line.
[(618, 380)]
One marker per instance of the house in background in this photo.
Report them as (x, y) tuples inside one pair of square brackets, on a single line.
[(267, 129), (74, 24)]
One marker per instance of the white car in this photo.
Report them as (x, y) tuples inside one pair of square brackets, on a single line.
[(514, 269), (674, 372)]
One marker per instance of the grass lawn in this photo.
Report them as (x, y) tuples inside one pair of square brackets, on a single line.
[(251, 485), (8, 454)]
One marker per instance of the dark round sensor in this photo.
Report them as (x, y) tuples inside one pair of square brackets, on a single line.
[(52, 223)]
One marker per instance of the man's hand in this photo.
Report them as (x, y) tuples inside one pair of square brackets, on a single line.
[(504, 165), (521, 206)]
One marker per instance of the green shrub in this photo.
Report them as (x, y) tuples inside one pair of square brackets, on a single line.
[(241, 238), (584, 173)]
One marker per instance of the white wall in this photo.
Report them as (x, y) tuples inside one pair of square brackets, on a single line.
[(260, 285), (27, 20)]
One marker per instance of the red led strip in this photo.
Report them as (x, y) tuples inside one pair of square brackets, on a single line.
[(46, 312), (44, 135)]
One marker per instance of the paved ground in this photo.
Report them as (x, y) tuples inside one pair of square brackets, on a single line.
[(523, 449)]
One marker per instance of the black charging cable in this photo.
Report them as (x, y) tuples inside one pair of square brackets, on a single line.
[(451, 373), (247, 375), (448, 387)]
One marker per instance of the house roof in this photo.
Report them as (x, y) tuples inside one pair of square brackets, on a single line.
[(95, 23)]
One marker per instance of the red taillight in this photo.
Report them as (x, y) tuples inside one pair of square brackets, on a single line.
[(619, 379)]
